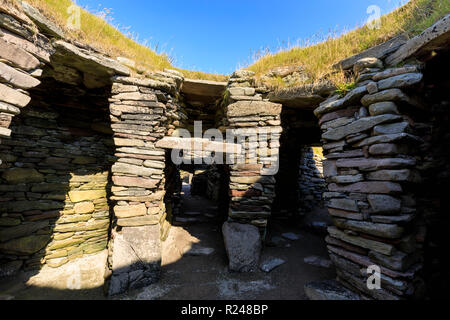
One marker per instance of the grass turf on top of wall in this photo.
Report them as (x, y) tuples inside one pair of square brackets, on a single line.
[(317, 60)]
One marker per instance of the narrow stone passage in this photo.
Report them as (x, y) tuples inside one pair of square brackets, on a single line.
[(195, 265)]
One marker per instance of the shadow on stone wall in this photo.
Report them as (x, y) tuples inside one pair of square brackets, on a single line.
[(55, 180)]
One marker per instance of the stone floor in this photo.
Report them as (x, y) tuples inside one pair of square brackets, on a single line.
[(195, 262), (195, 265)]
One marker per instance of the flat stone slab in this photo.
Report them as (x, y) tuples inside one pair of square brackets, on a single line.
[(200, 251), (307, 97), (198, 145), (318, 261), (270, 264), (379, 52), (434, 38), (88, 62), (83, 273), (45, 25), (203, 87), (243, 245), (329, 290), (291, 236)]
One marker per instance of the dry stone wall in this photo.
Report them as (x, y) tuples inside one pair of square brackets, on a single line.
[(53, 187), (139, 110), (256, 124), (371, 172)]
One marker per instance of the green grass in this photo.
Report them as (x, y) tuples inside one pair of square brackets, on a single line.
[(97, 31), (412, 18), (318, 59)]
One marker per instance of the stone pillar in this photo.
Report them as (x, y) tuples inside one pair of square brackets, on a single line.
[(371, 172), (256, 125), (138, 114)]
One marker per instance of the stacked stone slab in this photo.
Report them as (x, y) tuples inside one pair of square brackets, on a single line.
[(54, 198), (138, 114), (311, 180), (21, 59), (256, 124), (370, 171), (20, 65)]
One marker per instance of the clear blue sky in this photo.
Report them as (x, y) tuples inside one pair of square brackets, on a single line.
[(218, 36)]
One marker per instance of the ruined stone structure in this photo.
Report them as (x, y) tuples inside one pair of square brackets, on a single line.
[(86, 169)]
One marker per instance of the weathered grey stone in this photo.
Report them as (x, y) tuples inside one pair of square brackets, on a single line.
[(395, 95), (241, 91), (401, 81), (372, 164), (399, 261), (380, 52), (384, 149), (84, 207), (381, 187), (345, 214), (344, 204), (120, 167), (10, 268), (42, 52), (21, 230), (149, 83), (394, 175), (383, 204), (372, 87), (291, 236), (22, 175), (388, 138), (26, 245), (86, 195), (243, 246), (270, 264), (434, 36), (46, 26), (130, 211), (250, 108), (391, 128), (379, 108), (17, 78), (81, 274), (135, 96), (135, 182), (136, 248), (329, 169), (118, 284), (388, 73), (200, 251), (252, 180), (328, 290), (4, 132), (198, 144), (139, 221), (8, 108), (368, 62), (389, 231), (406, 218), (347, 179), (89, 62), (377, 246), (318, 261), (14, 97), (358, 126), (17, 56), (142, 151), (334, 104)]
